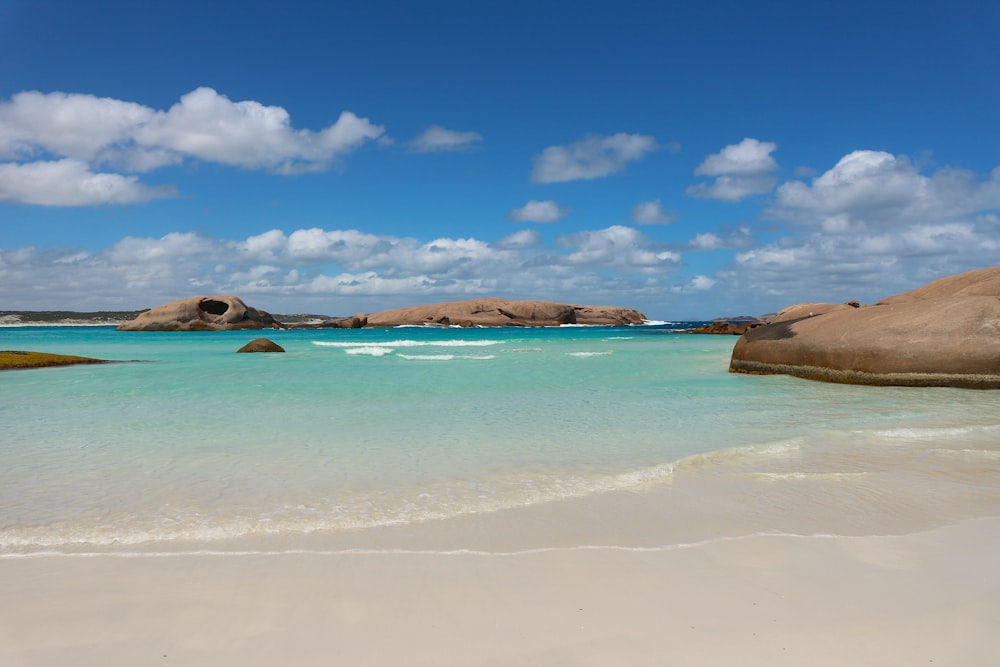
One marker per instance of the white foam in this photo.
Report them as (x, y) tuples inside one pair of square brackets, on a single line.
[(409, 343), (968, 453), (931, 433), (373, 350), (778, 448), (439, 502), (588, 354), (776, 476), (445, 357)]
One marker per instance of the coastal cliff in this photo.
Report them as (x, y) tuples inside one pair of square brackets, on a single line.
[(946, 333)]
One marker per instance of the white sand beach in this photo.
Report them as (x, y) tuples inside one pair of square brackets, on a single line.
[(928, 597)]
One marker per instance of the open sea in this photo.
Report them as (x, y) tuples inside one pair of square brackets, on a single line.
[(188, 443)]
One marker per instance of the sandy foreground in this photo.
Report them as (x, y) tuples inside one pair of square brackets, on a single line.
[(927, 597)]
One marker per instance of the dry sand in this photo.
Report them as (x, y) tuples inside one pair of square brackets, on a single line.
[(930, 597)]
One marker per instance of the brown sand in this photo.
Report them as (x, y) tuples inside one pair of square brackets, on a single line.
[(929, 597)]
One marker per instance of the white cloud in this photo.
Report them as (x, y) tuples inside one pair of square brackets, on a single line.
[(733, 238), (650, 213), (525, 238), (71, 183), (867, 266), (618, 246), (74, 136), (696, 284), (546, 211), (436, 139), (706, 241), (592, 157), (70, 125), (749, 157), (740, 170), (872, 189), (873, 225), (337, 271), (208, 126)]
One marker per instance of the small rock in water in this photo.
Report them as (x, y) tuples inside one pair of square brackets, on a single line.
[(261, 345)]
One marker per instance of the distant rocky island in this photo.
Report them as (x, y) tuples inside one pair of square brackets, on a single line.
[(214, 313), (65, 317), (946, 333)]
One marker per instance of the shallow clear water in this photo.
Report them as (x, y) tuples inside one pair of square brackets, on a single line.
[(352, 429)]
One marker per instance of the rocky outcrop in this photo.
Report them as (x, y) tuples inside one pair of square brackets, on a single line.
[(800, 310), (202, 313), (495, 312), (261, 345), (946, 333), (725, 327), (355, 322), (609, 315)]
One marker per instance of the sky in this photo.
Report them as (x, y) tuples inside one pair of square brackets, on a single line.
[(693, 160)]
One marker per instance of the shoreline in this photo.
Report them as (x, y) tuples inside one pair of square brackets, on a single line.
[(711, 568)]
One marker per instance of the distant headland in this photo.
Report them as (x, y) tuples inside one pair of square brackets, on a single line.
[(214, 313)]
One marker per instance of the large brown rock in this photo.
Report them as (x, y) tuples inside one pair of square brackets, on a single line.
[(202, 313), (946, 333), (612, 315), (801, 310), (354, 322), (495, 312)]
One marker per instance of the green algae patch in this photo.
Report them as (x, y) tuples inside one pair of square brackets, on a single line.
[(14, 359)]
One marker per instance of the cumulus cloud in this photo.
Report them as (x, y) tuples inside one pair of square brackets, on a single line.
[(872, 225), (738, 237), (208, 126), (624, 248), (526, 238), (872, 189), (81, 134), (70, 125), (336, 271), (71, 183), (696, 284), (546, 211), (739, 170), (650, 213), (437, 139), (592, 157)]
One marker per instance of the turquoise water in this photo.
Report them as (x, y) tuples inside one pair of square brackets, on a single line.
[(351, 429)]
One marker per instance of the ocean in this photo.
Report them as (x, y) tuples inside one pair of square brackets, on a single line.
[(186, 446)]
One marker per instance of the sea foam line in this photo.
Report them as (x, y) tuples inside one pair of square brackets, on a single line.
[(361, 551), (414, 509), (408, 343), (446, 357), (933, 432)]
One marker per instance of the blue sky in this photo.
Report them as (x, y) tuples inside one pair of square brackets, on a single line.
[(692, 160)]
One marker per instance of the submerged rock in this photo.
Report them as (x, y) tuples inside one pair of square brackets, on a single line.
[(202, 313), (261, 345), (946, 333)]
